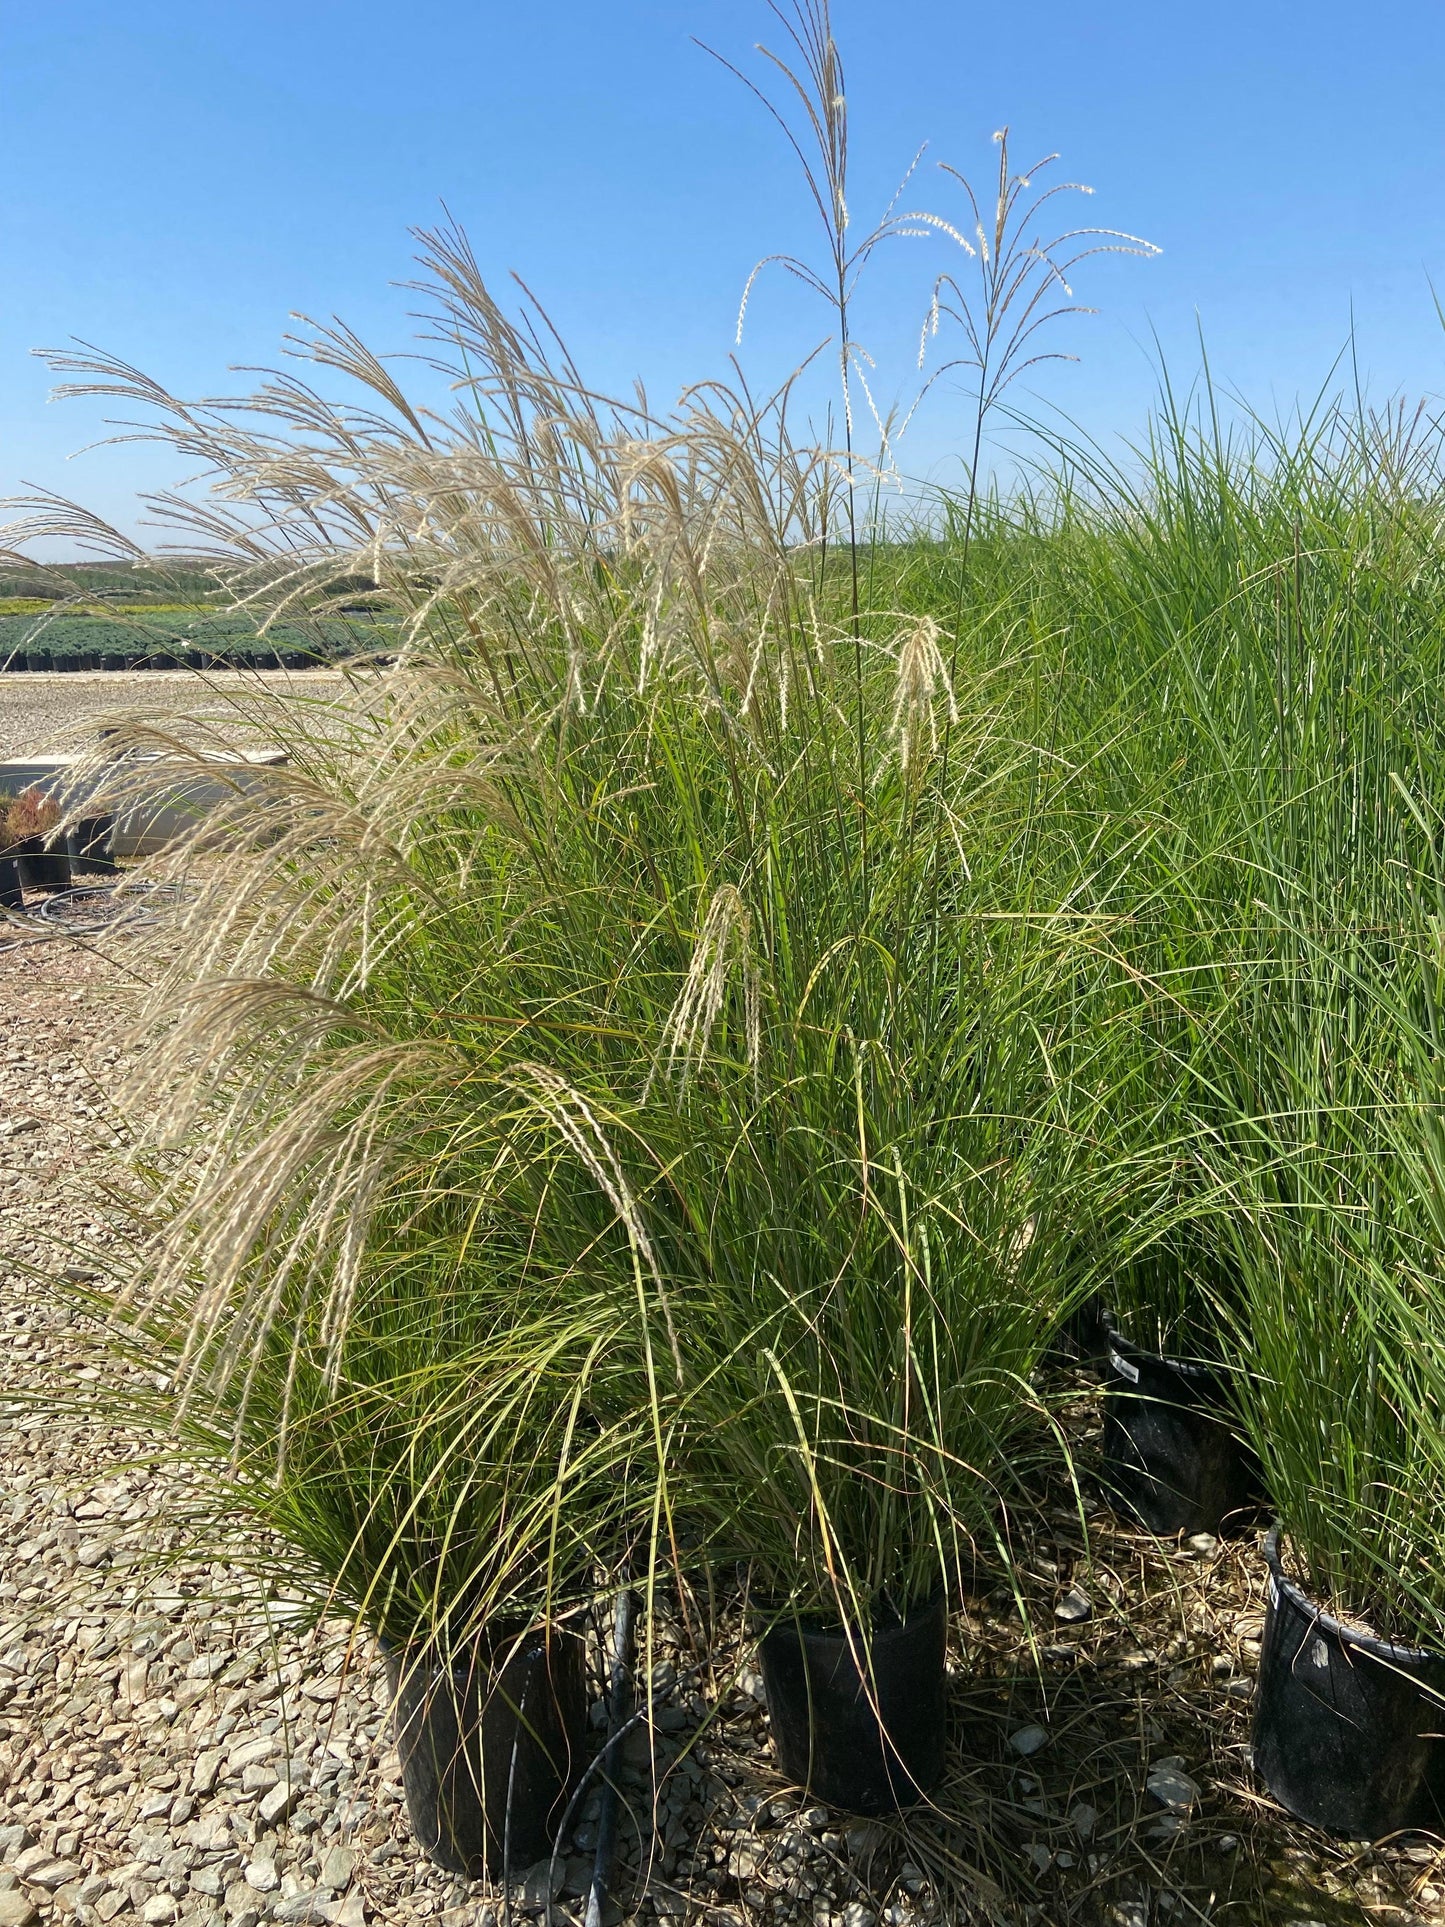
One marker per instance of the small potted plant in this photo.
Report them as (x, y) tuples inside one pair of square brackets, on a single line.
[(88, 846), (30, 819), (1341, 1337), (1172, 1457), (1346, 1369), (420, 1473), (12, 893)]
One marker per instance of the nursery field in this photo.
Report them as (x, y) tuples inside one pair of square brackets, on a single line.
[(172, 637), (934, 1130), (763, 1238)]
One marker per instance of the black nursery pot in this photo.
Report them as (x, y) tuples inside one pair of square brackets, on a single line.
[(1347, 1728), (12, 897), (1349, 1731), (862, 1731), (87, 844), (1169, 1460), (41, 869), (491, 1747)]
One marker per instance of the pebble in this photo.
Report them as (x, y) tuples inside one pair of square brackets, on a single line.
[(337, 1868), (1074, 1607), (46, 1872), (1083, 1819), (1029, 1740), (1172, 1787), (17, 1910), (279, 1803)]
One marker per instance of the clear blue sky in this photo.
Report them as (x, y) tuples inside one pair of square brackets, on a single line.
[(179, 175)]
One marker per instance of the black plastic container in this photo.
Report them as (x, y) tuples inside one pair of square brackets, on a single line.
[(1170, 1460), (41, 869), (861, 1730), (491, 1747), (87, 844), (1347, 1728), (12, 897)]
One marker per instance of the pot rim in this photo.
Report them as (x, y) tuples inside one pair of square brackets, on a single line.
[(1371, 1643), (1195, 1368), (786, 1618), (515, 1627)]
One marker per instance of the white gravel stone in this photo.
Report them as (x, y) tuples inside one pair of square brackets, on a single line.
[(337, 1868), (1172, 1787), (279, 1803), (41, 709), (47, 1872)]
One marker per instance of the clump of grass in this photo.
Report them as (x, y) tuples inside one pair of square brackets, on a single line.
[(582, 955)]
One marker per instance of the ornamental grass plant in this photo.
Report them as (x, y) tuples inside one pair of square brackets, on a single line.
[(661, 946), (647, 971), (1338, 1327), (1235, 649), (1252, 627)]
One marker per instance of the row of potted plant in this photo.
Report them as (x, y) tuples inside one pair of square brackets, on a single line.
[(31, 857)]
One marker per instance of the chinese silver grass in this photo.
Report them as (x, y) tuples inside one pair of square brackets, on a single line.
[(554, 949)]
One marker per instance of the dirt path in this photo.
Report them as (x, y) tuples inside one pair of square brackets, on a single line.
[(49, 713)]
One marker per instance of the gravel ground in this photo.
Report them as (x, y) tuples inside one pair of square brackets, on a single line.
[(48, 713), (168, 1755)]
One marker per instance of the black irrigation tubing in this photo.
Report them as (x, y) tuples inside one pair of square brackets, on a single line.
[(619, 1700), (620, 1722), (94, 906), (88, 910), (215, 661)]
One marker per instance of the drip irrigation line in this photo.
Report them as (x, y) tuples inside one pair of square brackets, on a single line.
[(78, 915), (104, 906), (87, 910), (621, 1719), (619, 1701)]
